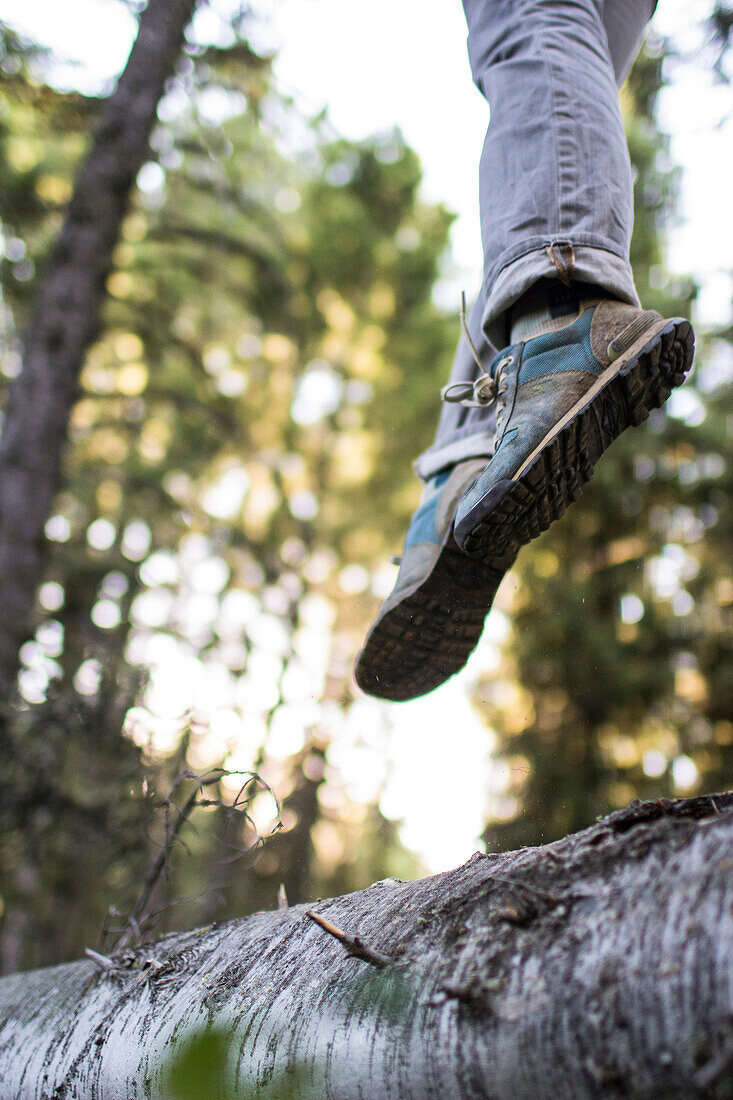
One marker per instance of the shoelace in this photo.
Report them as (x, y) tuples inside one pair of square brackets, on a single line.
[(480, 393)]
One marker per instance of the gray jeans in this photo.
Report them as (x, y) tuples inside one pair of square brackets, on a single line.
[(555, 183)]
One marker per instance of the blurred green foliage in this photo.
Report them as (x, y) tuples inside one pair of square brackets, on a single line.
[(225, 490), (199, 1069)]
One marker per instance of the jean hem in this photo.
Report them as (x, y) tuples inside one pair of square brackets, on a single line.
[(449, 453), (511, 277)]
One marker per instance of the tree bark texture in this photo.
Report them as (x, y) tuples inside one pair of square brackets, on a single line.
[(598, 967), (66, 318)]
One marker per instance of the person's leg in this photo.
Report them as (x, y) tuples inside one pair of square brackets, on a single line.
[(625, 23), (618, 28), (556, 211), (433, 618), (555, 180), (584, 362), (464, 431)]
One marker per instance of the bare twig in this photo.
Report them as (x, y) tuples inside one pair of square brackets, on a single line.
[(142, 915), (282, 897), (353, 945), (102, 961), (160, 866)]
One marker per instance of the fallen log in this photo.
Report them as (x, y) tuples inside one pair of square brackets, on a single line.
[(598, 966)]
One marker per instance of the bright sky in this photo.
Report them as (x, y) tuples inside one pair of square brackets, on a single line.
[(385, 63), (403, 62)]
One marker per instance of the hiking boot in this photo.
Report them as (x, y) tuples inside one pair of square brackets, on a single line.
[(428, 626), (563, 397)]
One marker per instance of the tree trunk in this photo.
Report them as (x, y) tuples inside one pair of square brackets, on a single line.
[(66, 318), (599, 966)]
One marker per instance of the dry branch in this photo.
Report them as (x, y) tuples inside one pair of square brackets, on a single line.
[(615, 984)]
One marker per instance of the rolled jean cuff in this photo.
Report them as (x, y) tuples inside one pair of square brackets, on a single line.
[(591, 264), (477, 445)]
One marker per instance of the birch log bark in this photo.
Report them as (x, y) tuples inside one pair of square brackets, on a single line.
[(597, 967), (66, 318)]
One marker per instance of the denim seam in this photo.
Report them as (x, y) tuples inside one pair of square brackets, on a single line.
[(567, 158), (556, 148)]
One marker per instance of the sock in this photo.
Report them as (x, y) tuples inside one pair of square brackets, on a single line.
[(548, 306)]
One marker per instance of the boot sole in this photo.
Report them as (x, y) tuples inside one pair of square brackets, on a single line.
[(429, 635), (516, 510)]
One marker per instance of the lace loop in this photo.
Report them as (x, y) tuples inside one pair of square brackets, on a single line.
[(477, 394), (474, 395)]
